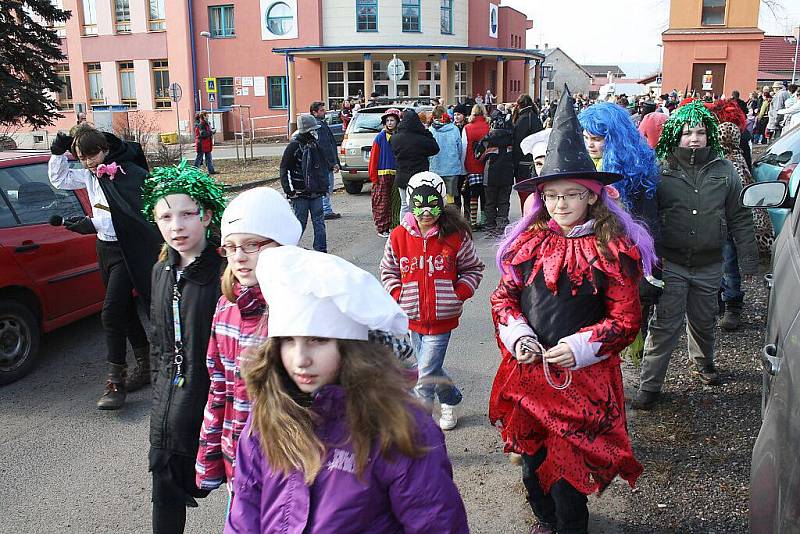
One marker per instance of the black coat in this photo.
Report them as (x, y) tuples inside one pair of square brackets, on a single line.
[(140, 241), (499, 170), (527, 123), (177, 412), (412, 145)]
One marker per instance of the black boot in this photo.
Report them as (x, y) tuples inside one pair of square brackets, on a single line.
[(732, 316), (114, 396), (140, 376)]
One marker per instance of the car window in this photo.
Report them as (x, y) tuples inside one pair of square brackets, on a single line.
[(7, 219), (365, 123), (786, 149), (333, 118), (32, 197)]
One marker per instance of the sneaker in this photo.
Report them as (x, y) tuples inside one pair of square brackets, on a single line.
[(645, 400), (329, 216), (383, 234), (542, 529), (449, 419), (708, 375)]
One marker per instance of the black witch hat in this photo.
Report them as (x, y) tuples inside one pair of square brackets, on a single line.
[(567, 156)]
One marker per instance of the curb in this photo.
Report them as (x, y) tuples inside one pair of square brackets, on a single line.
[(236, 188)]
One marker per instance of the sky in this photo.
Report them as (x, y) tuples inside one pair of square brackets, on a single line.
[(620, 32)]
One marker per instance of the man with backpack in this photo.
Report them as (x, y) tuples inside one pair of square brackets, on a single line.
[(304, 177)]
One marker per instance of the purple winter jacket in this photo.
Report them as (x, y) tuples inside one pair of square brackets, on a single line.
[(393, 496)]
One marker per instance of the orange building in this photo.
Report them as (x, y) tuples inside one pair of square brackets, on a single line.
[(712, 46)]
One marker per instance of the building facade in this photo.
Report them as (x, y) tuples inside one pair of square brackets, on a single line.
[(269, 59), (712, 46), (560, 69)]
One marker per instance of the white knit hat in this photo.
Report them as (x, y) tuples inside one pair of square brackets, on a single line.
[(262, 211), (321, 295)]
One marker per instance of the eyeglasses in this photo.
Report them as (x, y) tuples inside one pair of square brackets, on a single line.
[(248, 248), (551, 198)]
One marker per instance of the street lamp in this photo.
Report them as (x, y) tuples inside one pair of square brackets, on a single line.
[(796, 45), (207, 35)]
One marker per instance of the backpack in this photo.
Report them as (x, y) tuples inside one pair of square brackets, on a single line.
[(314, 168)]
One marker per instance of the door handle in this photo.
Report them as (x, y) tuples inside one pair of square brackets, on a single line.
[(770, 359), (27, 247)]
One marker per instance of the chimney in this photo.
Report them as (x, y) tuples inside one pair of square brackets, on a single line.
[(546, 46)]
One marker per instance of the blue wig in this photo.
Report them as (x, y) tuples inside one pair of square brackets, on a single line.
[(626, 152)]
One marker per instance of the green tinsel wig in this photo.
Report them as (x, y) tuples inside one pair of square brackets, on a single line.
[(183, 179), (693, 114)]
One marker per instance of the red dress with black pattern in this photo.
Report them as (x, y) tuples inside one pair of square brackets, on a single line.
[(583, 426)]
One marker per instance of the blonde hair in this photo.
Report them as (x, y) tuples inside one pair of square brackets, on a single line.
[(478, 111), (378, 408), (228, 282)]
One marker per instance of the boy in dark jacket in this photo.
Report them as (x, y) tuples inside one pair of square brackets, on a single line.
[(412, 145), (496, 149), (698, 205), (304, 177)]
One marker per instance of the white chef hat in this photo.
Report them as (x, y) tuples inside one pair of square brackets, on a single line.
[(536, 144), (315, 294), (261, 211)]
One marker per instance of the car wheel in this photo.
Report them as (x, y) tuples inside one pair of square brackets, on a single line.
[(19, 341), (353, 188)]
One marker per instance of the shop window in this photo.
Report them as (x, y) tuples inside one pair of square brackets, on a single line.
[(278, 92), (89, 17), (95, 84), (65, 93), (157, 16), (411, 16), (429, 77), (280, 18), (122, 16), (127, 84), (161, 84), (447, 17), (226, 94), (367, 15), (220, 21), (713, 13)]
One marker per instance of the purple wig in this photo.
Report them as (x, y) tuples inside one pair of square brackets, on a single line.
[(635, 231)]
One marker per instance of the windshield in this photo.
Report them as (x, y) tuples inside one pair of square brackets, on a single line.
[(785, 150), (365, 123)]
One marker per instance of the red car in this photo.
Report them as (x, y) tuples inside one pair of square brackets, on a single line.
[(49, 276)]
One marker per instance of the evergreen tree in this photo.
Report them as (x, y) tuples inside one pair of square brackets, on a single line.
[(29, 52)]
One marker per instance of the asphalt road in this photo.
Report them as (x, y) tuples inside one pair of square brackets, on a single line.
[(67, 467)]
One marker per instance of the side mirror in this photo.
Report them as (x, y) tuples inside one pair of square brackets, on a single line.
[(766, 195)]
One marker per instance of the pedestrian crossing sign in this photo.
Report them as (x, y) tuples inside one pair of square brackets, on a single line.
[(211, 86)]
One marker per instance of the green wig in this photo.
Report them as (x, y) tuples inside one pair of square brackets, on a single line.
[(693, 114), (183, 179)]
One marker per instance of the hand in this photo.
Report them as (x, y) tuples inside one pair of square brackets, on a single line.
[(560, 355), (528, 350), (61, 144), (80, 225)]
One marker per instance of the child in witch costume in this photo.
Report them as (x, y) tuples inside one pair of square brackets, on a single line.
[(185, 203), (335, 442), (430, 267), (567, 303), (382, 169)]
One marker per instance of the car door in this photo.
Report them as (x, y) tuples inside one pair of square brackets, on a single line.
[(62, 265), (775, 471)]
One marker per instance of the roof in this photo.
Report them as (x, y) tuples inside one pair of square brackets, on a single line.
[(547, 52), (773, 76), (509, 53), (597, 84), (603, 70), (777, 53)]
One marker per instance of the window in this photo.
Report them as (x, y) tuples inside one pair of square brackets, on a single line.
[(280, 19), (278, 92), (220, 21), (32, 197), (460, 70), (345, 79), (429, 77), (157, 16), (410, 15), (385, 87), (713, 13), (122, 16), (161, 84), (58, 26), (65, 93), (367, 15), (89, 17), (127, 84), (225, 92), (447, 17), (95, 84)]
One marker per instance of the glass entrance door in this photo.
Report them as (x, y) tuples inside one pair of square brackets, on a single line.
[(384, 86)]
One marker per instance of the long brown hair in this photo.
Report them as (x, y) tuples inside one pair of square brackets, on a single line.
[(451, 221), (378, 402), (606, 226)]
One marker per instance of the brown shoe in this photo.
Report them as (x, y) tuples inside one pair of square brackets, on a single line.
[(140, 376), (114, 395)]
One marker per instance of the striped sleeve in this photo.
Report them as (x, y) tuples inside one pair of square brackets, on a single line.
[(469, 268), (209, 467), (390, 271)]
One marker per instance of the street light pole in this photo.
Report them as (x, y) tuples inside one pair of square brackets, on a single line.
[(207, 35), (796, 46)]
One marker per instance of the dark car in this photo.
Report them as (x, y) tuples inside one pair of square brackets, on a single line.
[(49, 276), (334, 121), (775, 469), (777, 164)]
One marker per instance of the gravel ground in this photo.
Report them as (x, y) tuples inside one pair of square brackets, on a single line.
[(696, 445)]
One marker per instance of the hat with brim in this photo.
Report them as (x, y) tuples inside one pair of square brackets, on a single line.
[(391, 112), (306, 123), (567, 157), (777, 85)]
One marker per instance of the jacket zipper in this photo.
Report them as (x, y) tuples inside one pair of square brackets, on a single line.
[(171, 383), (424, 293)]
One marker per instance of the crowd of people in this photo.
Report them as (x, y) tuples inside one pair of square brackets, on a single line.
[(305, 385)]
